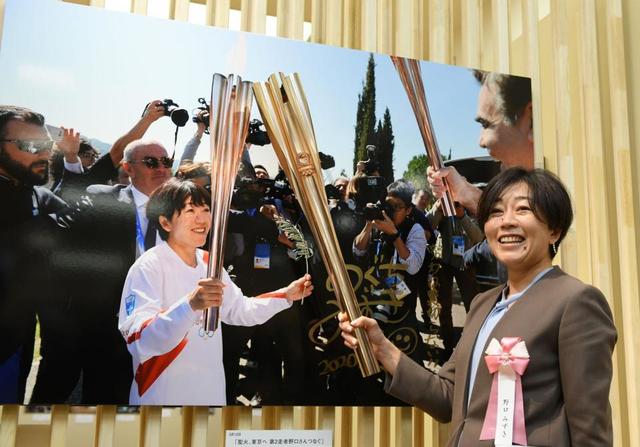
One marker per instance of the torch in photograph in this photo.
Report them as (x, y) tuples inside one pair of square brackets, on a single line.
[(286, 116), (411, 77), (231, 100)]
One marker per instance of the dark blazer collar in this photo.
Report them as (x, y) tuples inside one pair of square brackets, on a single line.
[(125, 194)]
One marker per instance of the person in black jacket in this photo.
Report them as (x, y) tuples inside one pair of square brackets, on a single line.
[(457, 233), (27, 237), (106, 231), (72, 180)]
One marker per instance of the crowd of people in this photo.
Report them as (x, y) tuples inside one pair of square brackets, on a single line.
[(109, 259), (65, 258)]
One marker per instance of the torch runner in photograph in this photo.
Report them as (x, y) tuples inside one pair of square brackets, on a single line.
[(175, 285), (165, 294), (286, 115), (411, 77)]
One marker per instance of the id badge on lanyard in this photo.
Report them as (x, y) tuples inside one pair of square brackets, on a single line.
[(262, 256), (457, 243), (398, 287), (396, 284)]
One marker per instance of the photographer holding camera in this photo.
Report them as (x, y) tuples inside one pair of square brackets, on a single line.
[(395, 244), (394, 227)]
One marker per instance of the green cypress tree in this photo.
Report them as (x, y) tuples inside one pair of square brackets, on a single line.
[(416, 171), (386, 143), (365, 115)]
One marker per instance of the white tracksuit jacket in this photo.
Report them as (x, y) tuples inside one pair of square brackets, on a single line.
[(172, 363)]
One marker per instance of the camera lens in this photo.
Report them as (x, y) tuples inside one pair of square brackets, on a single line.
[(179, 117)]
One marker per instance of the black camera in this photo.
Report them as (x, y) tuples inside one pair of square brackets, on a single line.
[(371, 189), (256, 135), (253, 192), (371, 164), (280, 189), (248, 192), (178, 116), (332, 192), (374, 212), (326, 161), (202, 114)]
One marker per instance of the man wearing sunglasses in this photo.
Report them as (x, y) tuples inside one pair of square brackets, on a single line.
[(108, 229), (26, 241)]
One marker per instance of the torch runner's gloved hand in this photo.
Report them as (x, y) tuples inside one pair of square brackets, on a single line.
[(207, 294)]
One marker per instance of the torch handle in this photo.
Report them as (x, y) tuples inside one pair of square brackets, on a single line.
[(210, 320), (447, 202)]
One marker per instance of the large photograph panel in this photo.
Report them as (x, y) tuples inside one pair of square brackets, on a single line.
[(67, 312)]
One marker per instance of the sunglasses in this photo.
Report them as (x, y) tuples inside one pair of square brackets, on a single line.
[(154, 162), (32, 146)]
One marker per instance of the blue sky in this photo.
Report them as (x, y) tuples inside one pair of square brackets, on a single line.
[(94, 70)]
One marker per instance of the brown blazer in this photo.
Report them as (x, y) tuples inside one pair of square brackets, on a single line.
[(568, 330)]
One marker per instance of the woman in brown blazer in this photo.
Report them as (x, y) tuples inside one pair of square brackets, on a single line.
[(566, 326)]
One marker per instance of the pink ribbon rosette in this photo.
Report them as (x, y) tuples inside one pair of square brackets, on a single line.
[(507, 360)]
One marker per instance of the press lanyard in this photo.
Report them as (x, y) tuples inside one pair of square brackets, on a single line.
[(35, 208), (139, 235), (376, 259)]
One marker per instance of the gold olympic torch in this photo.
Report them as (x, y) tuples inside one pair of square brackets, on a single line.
[(231, 101), (286, 115), (411, 77)]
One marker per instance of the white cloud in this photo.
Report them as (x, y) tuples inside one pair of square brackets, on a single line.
[(237, 57), (43, 76)]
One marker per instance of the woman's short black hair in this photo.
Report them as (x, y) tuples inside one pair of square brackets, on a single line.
[(171, 197), (548, 198)]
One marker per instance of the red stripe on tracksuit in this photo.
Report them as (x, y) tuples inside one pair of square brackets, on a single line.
[(136, 335), (150, 370), (273, 295)]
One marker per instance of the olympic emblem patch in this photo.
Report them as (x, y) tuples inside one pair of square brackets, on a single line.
[(129, 304)]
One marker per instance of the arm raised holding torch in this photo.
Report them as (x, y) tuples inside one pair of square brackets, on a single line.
[(411, 77)]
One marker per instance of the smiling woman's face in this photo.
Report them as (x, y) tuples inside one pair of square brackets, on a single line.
[(189, 227), (517, 238)]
